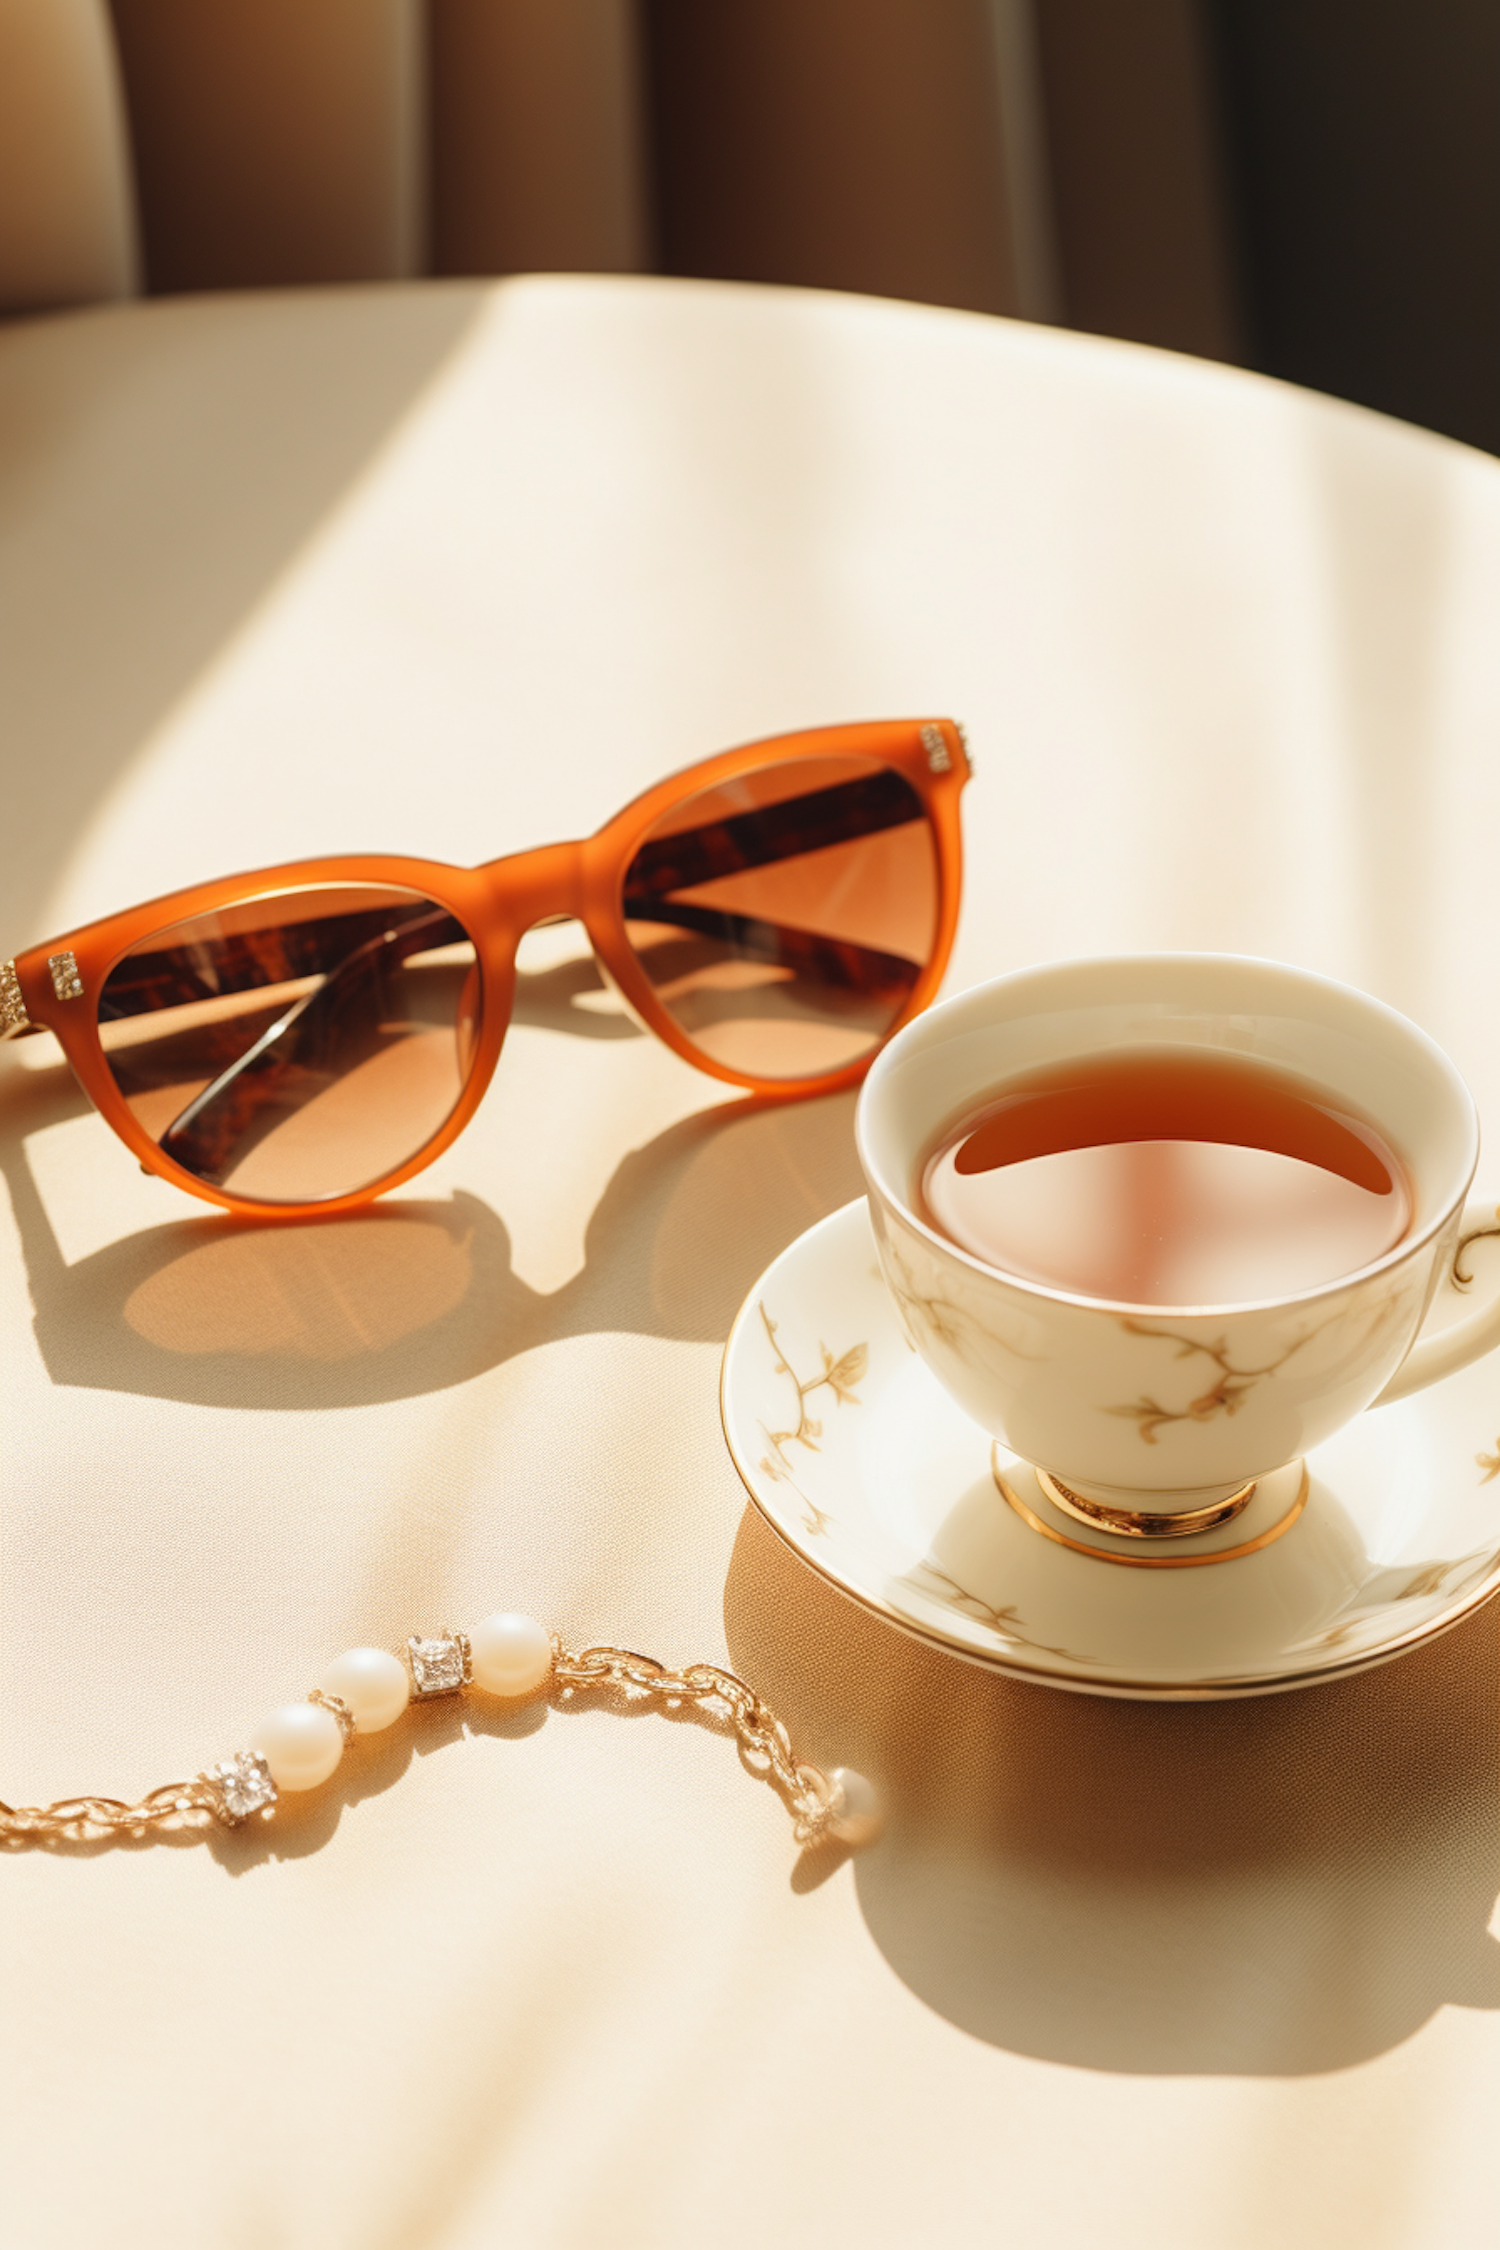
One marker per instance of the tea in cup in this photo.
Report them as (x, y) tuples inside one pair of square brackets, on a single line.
[(1161, 1223)]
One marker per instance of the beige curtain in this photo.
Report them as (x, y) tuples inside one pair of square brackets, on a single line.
[(538, 155), (67, 219), (1051, 158), (850, 144), (276, 142), (1137, 193)]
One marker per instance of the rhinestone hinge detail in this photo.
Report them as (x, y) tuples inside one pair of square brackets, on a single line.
[(66, 982), (939, 756), (242, 1785), (13, 1016), (441, 1665)]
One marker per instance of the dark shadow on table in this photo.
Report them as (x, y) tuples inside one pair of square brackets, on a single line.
[(1274, 1886), (414, 1296)]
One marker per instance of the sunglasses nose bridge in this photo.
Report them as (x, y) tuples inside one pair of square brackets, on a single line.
[(544, 885)]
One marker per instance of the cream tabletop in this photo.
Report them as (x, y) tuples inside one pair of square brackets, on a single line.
[(455, 570)]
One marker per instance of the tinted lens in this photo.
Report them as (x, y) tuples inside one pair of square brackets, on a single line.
[(784, 917), (298, 1046)]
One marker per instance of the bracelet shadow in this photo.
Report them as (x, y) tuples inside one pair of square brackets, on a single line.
[(414, 1296), (1273, 1886)]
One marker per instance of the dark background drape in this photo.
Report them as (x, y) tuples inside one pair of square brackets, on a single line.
[(1311, 187)]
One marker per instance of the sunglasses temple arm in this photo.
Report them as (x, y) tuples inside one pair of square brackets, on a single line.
[(199, 1111), (390, 948), (839, 960), (846, 813)]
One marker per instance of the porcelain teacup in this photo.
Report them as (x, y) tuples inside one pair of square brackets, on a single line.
[(1135, 1412)]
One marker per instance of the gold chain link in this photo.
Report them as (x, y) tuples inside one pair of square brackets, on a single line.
[(188, 1807), (764, 1741), (181, 1806)]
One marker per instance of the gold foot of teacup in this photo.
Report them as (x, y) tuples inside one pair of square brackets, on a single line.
[(1143, 1523), (1121, 1535)]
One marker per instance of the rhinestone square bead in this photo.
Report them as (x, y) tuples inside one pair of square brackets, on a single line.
[(66, 982), (13, 1016), (439, 1666), (242, 1785), (939, 757)]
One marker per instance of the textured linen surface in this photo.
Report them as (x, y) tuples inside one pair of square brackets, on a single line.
[(455, 570)]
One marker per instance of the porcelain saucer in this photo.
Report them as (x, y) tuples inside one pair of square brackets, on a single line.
[(855, 1455)]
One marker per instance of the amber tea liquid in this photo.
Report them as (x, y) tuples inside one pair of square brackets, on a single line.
[(1166, 1177)]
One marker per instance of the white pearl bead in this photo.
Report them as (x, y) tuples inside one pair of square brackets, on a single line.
[(375, 1685), (856, 1807), (301, 1743), (511, 1653)]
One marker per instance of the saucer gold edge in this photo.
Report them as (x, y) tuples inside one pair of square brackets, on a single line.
[(1131, 1688)]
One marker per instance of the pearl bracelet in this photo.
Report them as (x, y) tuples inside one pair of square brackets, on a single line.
[(365, 1690)]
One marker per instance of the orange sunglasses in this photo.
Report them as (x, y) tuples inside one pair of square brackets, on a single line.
[(304, 1037)]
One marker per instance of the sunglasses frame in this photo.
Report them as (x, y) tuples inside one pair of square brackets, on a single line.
[(496, 903)]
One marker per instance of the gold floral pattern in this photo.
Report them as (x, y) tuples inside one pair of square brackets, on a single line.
[(1226, 1395), (1007, 1623), (948, 1323), (841, 1376), (1458, 1276), (1462, 1277), (943, 1320), (1421, 1582)]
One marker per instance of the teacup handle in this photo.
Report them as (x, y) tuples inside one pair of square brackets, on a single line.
[(1432, 1357)]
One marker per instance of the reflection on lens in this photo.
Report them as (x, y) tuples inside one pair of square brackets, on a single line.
[(298, 1046), (784, 917)]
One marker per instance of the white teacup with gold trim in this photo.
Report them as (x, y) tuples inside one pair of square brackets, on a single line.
[(1156, 1419)]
